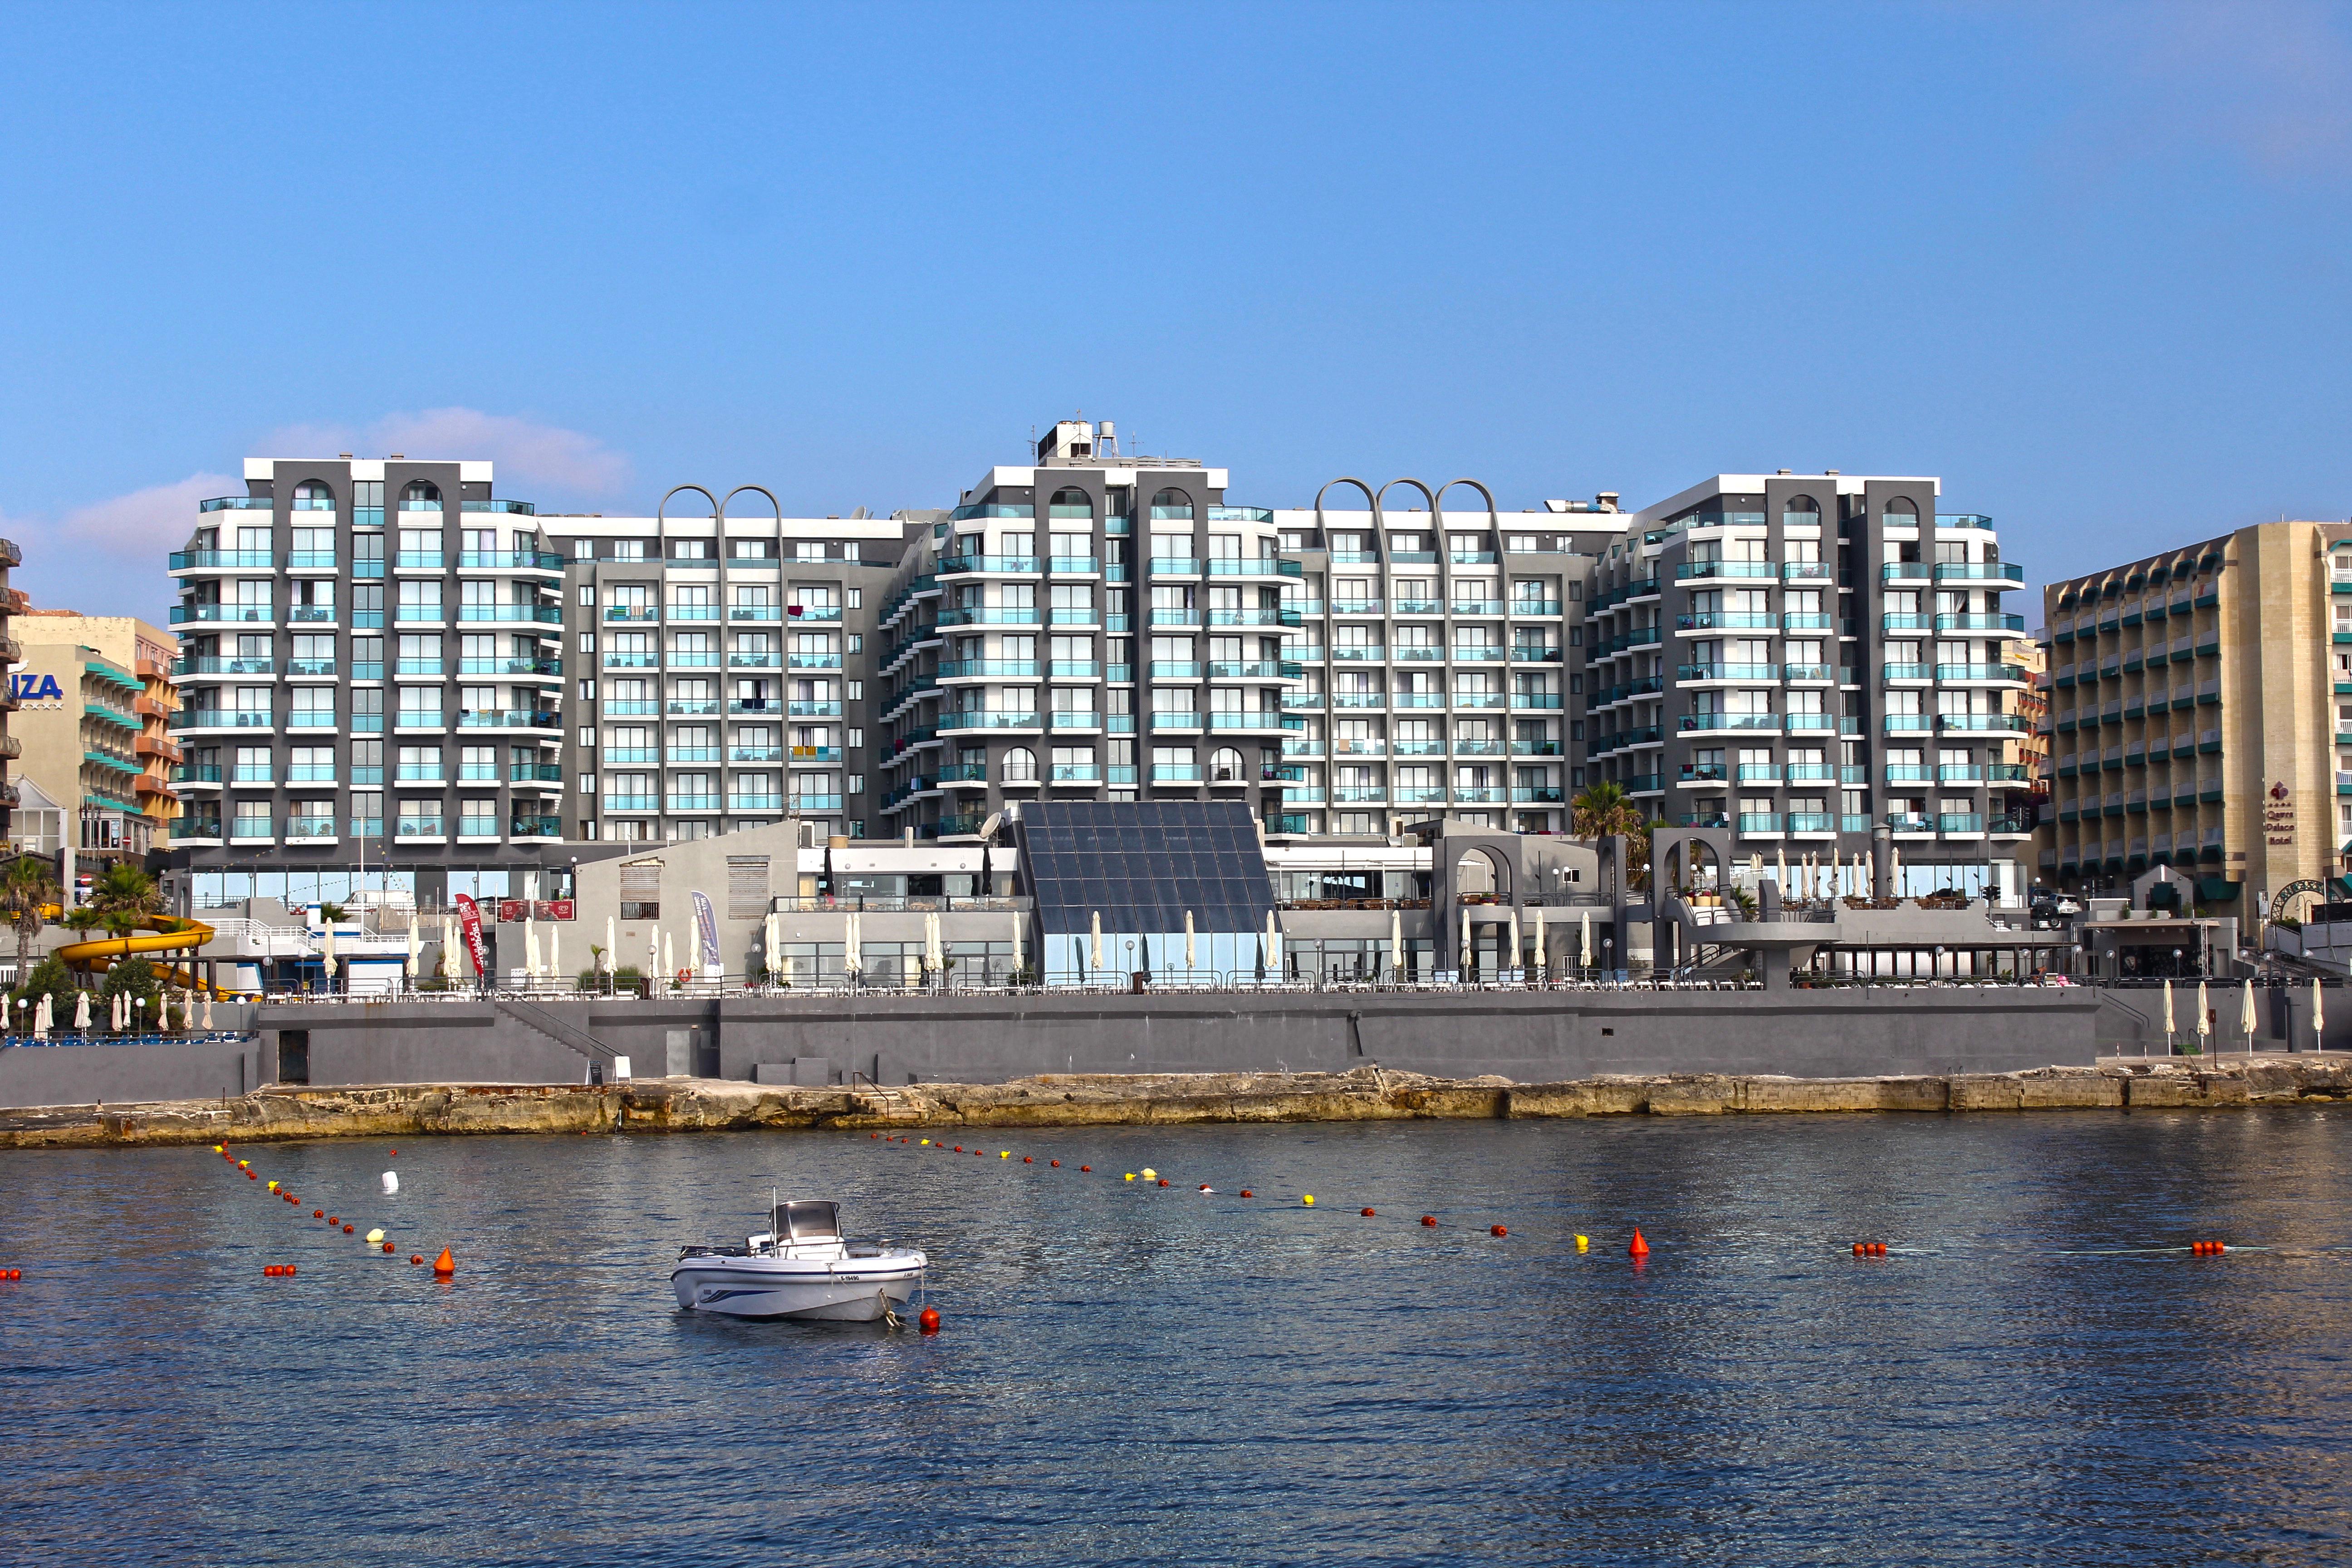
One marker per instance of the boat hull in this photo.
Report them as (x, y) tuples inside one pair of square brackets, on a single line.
[(859, 1291)]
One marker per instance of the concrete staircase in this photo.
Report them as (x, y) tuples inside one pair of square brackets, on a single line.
[(537, 1020)]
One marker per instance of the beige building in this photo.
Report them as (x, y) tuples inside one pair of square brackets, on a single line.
[(2197, 699), (94, 699)]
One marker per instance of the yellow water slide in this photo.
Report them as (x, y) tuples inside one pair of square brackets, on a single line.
[(170, 934)]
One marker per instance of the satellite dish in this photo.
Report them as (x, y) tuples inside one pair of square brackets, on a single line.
[(996, 820)]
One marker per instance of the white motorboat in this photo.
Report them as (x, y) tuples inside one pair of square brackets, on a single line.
[(801, 1266)]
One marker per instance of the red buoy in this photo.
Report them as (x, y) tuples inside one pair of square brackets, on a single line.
[(1086, 1167), (958, 1148), (1055, 1163), (1027, 1161), (1429, 1219), (387, 1246), (1163, 1181), (417, 1258), (1368, 1214), (1497, 1230), (1878, 1250), (252, 1177), (1637, 1247), (930, 1320), (347, 1230), (317, 1214), (1247, 1194), (873, 1135), (444, 1266)]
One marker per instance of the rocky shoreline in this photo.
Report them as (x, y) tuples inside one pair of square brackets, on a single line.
[(1365, 1094)]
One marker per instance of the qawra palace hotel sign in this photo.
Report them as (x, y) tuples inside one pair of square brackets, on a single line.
[(2278, 816)]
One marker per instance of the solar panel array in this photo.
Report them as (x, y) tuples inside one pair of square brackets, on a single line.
[(1143, 865)]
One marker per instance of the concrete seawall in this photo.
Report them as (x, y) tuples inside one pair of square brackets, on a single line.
[(1364, 1094)]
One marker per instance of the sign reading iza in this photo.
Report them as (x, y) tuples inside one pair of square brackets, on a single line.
[(25, 686), (2278, 816), (512, 910)]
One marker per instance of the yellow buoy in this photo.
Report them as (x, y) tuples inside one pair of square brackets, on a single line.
[(1004, 1153), (1310, 1200), (273, 1186), (926, 1142), (1583, 1242), (1130, 1175)]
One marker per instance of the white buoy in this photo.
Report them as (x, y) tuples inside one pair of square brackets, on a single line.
[(391, 1180), (376, 1237)]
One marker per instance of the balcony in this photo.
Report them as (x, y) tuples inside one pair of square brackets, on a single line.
[(1534, 606), (2000, 623), (1701, 721), (952, 721), (1704, 775), (1980, 571), (225, 560), (1695, 674), (1074, 718), (1176, 772), (1171, 720), (693, 802), (544, 614), (243, 615), (508, 719), (2002, 674), (1970, 824), (1907, 622), (1760, 825), (1476, 607), (1756, 772), (632, 614), (1906, 572), (741, 803), (1697, 570), (989, 668), (510, 561), (1175, 566), (759, 613), (2013, 723), (632, 802), (1002, 616), (1726, 620), (208, 665), (965, 565)]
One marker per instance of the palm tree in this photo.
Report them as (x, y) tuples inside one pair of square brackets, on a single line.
[(29, 891), (1603, 809), (124, 888)]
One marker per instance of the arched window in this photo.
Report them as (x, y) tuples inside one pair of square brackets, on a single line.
[(1225, 767), (312, 495), (420, 496), (1020, 767), (1072, 504), (1800, 510), (1172, 504), (1901, 513)]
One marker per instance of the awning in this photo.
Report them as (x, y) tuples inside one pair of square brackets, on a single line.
[(2216, 889)]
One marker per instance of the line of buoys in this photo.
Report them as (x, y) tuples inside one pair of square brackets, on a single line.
[(2207, 1249), (1870, 1249), (12, 1275), (278, 1270)]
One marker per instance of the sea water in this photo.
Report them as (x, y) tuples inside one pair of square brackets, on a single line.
[(1133, 1374)]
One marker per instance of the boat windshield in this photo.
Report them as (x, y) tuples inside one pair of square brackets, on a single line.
[(809, 1219)]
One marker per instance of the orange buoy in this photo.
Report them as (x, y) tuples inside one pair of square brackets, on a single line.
[(1086, 1167), (416, 1258), (1857, 1248), (930, 1320), (1497, 1230), (291, 1267), (318, 1213), (445, 1265), (14, 1275), (1637, 1247), (958, 1148), (1163, 1181), (1247, 1194), (253, 1175), (332, 1220), (347, 1230), (387, 1246), (1368, 1214), (1878, 1250), (1055, 1163), (1429, 1219)]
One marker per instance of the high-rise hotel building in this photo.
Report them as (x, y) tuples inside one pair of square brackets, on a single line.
[(1819, 664), (387, 666), (2200, 715)]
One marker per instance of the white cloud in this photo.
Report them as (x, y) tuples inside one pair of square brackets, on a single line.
[(108, 558), (526, 451)]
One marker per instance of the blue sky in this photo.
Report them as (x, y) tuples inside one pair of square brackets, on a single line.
[(2088, 264)]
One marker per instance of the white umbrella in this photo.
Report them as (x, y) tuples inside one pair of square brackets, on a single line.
[(772, 948), (1396, 941), (1870, 875), (1094, 940), (2246, 1016), (327, 953), (81, 1011), (1756, 863), (857, 938), (2318, 1018), (41, 1018), (1273, 945), (1017, 933), (208, 1012), (448, 946), (1511, 960), (1462, 963), (934, 951), (2167, 1012), (1543, 960), (2204, 1012), (1584, 938), (849, 943), (416, 945), (1781, 868), (612, 944), (1189, 957), (1894, 871)]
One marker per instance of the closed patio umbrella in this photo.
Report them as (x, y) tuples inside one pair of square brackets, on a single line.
[(772, 948), (415, 947), (1584, 940), (934, 949), (327, 959), (1511, 960), (81, 1012), (1094, 940), (1396, 941), (448, 946), (1542, 961), (208, 1012), (2318, 1018), (849, 943), (1191, 959), (612, 946), (1894, 871), (1781, 868), (41, 1018), (669, 957), (1273, 947), (1017, 964), (2246, 1016), (2204, 1012), (2167, 1013), (1464, 962), (529, 947)]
